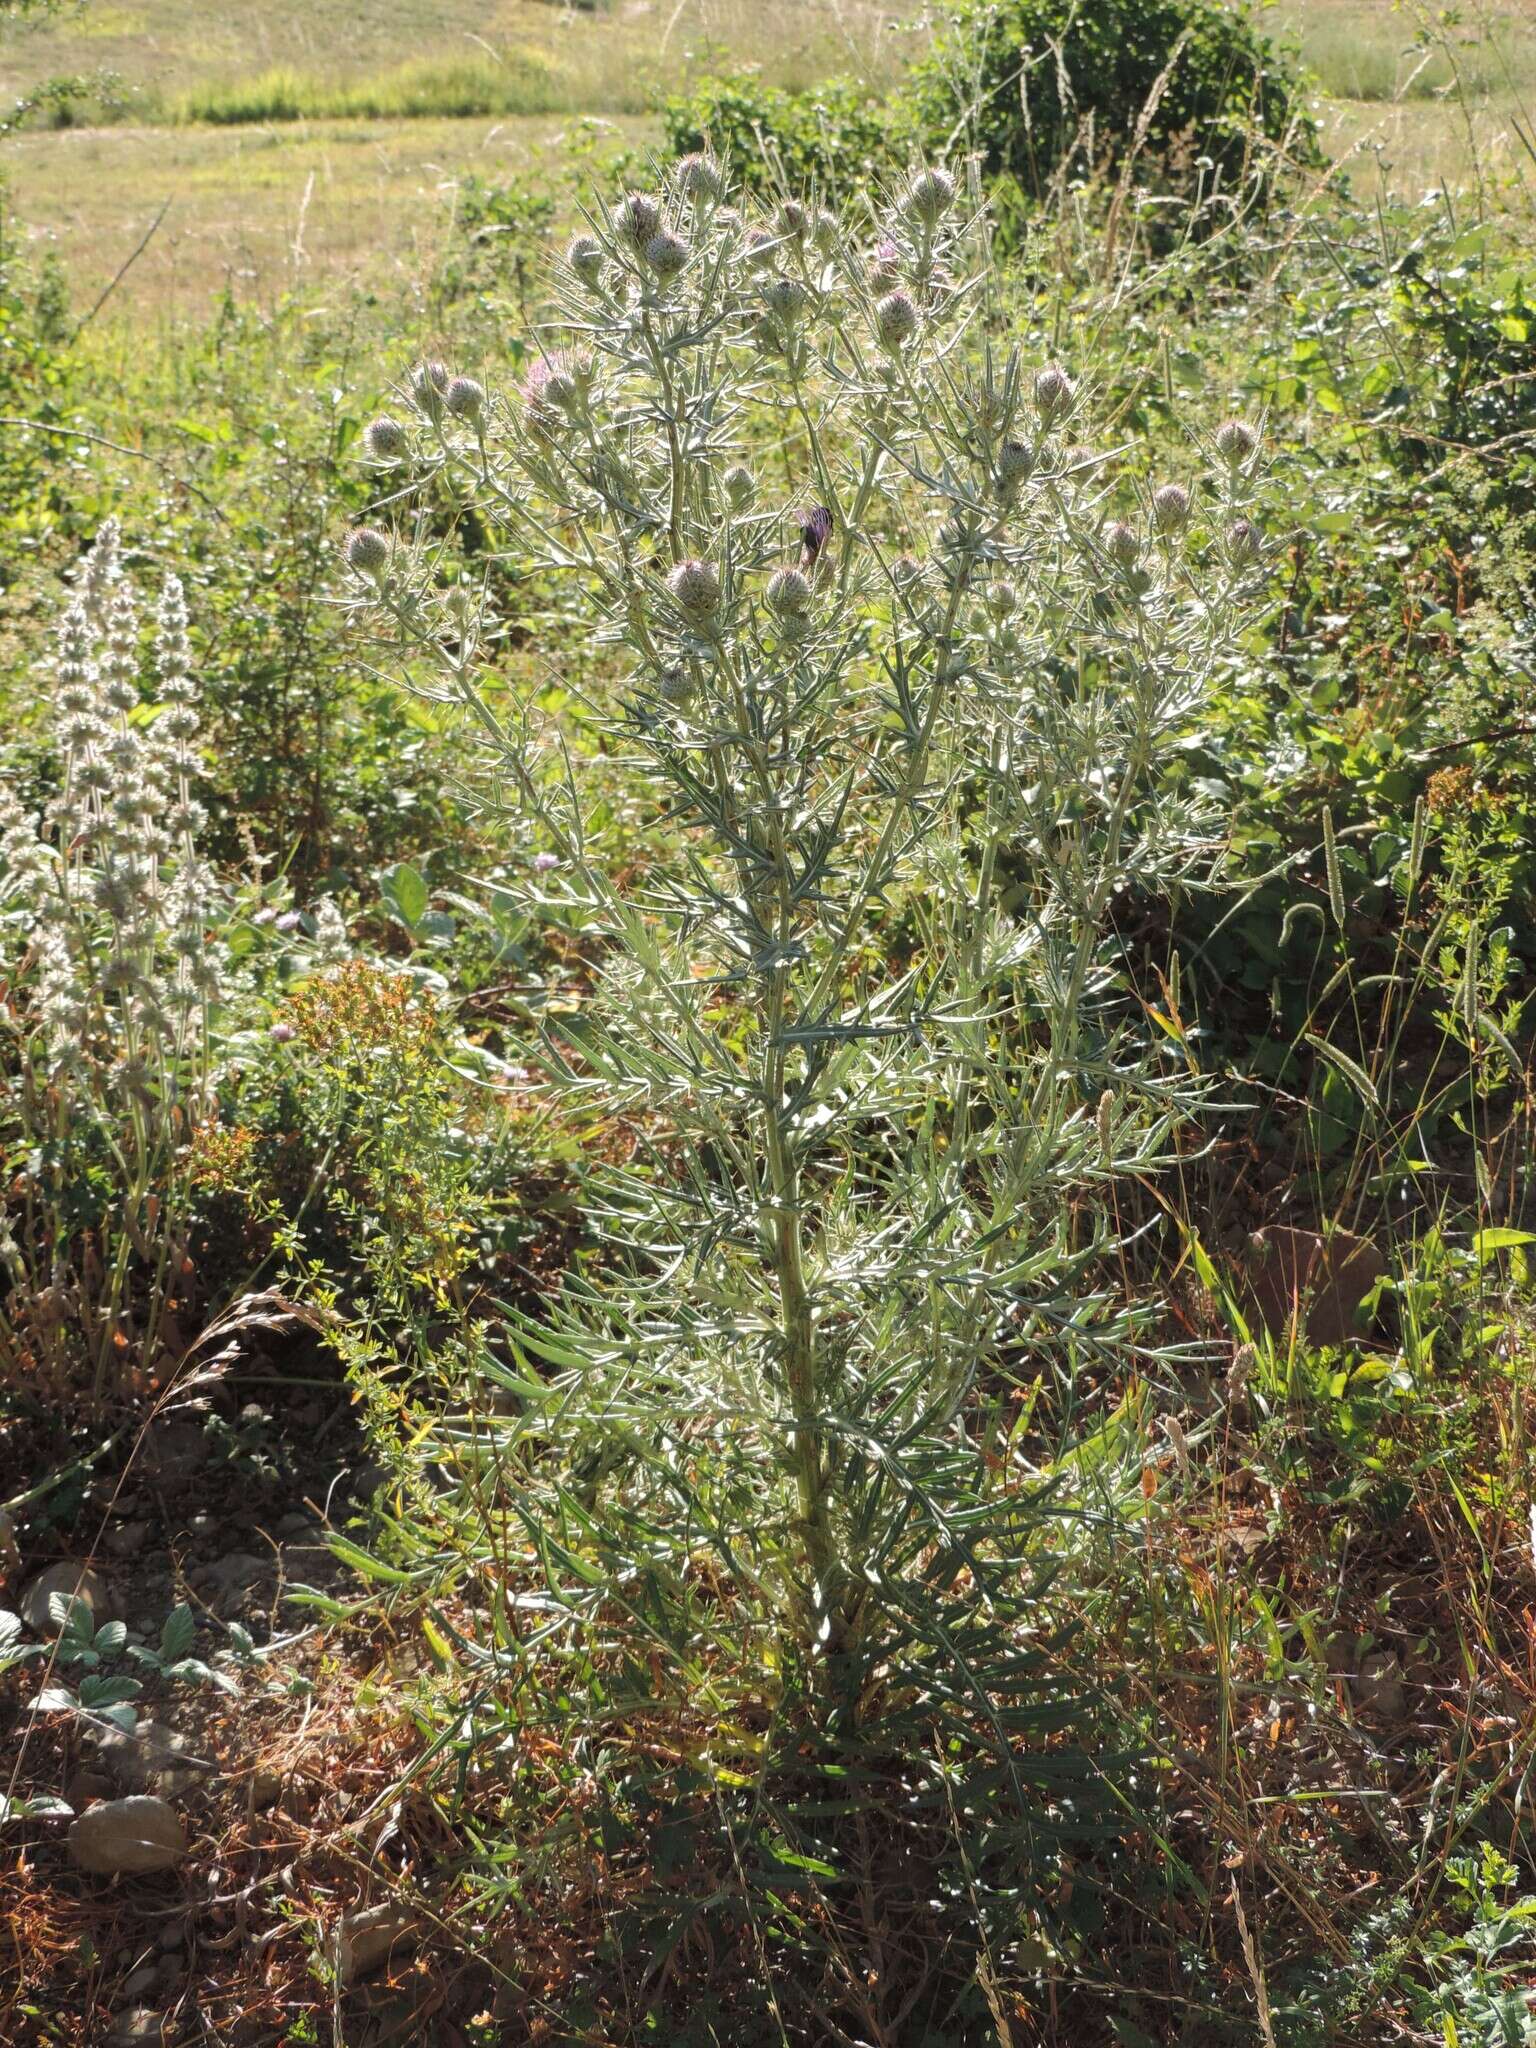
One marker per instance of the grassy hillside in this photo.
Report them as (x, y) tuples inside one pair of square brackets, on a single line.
[(284, 152)]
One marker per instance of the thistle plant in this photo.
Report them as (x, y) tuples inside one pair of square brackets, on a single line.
[(105, 907), (907, 665)]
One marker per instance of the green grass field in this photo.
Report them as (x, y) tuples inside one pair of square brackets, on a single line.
[(284, 153)]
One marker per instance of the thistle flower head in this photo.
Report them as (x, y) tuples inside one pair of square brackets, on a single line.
[(1235, 441), (1015, 466), (895, 320), (667, 254), (825, 232), (584, 253), (465, 399), (786, 299), (885, 267), (1002, 599), (366, 551), (385, 439), (700, 178), (740, 487), (695, 589), (637, 217), (760, 247), (1244, 543), (1170, 508), (429, 381), (1054, 392), (789, 593), (930, 196), (552, 392), (1122, 544), (793, 220)]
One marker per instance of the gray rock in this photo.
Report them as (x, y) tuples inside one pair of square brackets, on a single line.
[(140, 2029), (141, 1980), (151, 1758), (128, 1837), (365, 1940), (125, 1539), (73, 1582)]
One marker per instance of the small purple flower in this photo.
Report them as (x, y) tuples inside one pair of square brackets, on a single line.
[(289, 921), (543, 862), (282, 1034)]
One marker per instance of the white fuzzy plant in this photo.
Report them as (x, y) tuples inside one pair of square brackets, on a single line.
[(105, 913), (907, 694)]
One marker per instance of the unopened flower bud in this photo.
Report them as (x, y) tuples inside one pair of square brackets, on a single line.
[(428, 383), (465, 399), (385, 439), (789, 593), (1054, 392), (700, 178), (760, 247), (667, 254), (367, 551), (637, 218), (793, 219), (825, 232), (1235, 441), (1244, 543), (1015, 466), (1002, 599), (895, 320), (906, 572), (1170, 508), (1121, 544), (552, 393), (696, 589), (930, 196), (885, 267), (585, 256), (785, 298)]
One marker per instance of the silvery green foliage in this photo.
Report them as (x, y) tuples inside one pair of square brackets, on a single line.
[(105, 909), (909, 693)]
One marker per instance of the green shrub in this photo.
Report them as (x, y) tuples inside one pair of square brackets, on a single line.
[(832, 138), (1047, 87)]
